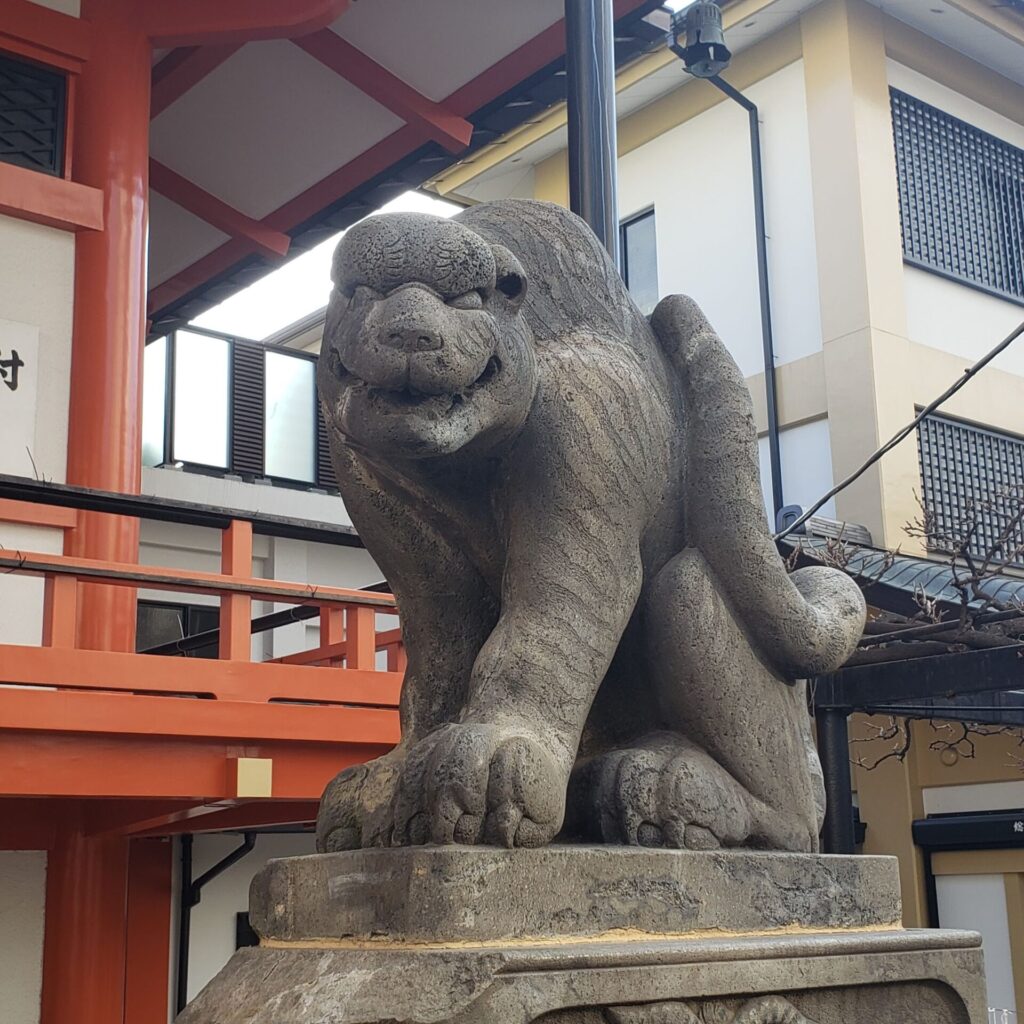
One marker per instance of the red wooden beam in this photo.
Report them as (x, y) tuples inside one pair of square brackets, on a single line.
[(433, 119), (250, 815), (140, 818), (39, 32), (236, 682), (192, 22), (44, 199), (112, 716), (132, 817), (183, 68), (215, 211), (86, 766), (529, 58), (27, 824)]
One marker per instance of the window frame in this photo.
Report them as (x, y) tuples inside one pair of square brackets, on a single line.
[(323, 470), (933, 479), (309, 357), (911, 172), (60, 164), (624, 224)]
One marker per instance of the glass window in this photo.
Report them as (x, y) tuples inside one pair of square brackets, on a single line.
[(289, 417), (961, 200), (32, 116), (201, 403), (971, 483), (640, 260), (154, 402), (158, 624)]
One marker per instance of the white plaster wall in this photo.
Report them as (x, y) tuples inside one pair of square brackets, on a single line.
[(198, 549), (22, 905), (235, 493), (697, 177), (213, 920), (37, 292), (978, 903), (942, 313), (806, 466), (21, 597), (36, 298)]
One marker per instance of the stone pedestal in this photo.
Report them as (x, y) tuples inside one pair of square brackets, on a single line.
[(589, 935)]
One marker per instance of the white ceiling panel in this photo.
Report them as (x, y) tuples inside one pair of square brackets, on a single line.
[(436, 46), (266, 125), (180, 238), (961, 32)]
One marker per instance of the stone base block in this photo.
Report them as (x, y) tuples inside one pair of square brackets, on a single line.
[(589, 936)]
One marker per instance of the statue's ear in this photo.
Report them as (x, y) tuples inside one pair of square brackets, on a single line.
[(510, 278)]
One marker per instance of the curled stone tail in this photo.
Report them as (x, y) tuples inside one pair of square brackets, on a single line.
[(803, 623)]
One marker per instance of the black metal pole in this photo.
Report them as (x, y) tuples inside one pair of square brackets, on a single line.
[(767, 339), (590, 73), (834, 750), (185, 905)]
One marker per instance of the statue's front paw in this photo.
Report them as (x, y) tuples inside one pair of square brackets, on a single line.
[(354, 810), (478, 783)]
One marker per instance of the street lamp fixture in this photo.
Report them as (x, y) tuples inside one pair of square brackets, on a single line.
[(700, 25)]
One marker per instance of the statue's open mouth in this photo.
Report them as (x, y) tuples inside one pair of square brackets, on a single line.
[(409, 400)]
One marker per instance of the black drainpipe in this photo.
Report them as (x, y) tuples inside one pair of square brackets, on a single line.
[(191, 891), (767, 341)]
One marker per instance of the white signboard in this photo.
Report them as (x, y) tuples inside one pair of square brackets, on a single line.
[(19, 385)]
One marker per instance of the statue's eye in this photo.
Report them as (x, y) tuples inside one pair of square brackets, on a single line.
[(467, 300)]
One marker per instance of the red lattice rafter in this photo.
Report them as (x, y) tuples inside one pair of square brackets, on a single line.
[(435, 120)]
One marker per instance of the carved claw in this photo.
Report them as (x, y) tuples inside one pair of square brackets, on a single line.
[(354, 805), (473, 783)]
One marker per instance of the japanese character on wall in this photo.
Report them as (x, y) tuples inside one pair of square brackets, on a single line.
[(9, 369)]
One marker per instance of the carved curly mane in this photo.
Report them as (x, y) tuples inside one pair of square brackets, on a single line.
[(572, 287)]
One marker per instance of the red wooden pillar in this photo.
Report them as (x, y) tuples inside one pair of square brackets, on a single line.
[(85, 932), (146, 986), (111, 152)]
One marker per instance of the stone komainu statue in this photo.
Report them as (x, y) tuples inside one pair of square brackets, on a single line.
[(564, 496)]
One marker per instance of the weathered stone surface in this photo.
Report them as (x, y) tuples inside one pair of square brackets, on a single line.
[(565, 498), (889, 977), (452, 895), (589, 935)]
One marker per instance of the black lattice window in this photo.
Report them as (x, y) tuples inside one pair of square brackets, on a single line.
[(32, 106), (972, 483), (961, 198)]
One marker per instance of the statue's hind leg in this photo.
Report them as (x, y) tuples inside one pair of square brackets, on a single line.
[(735, 766)]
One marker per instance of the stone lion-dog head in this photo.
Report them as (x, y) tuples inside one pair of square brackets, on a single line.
[(426, 351)]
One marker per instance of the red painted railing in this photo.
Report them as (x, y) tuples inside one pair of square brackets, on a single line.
[(118, 714)]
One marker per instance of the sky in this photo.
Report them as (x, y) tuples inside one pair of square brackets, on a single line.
[(301, 285)]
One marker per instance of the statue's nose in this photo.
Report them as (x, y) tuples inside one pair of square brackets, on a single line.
[(414, 339)]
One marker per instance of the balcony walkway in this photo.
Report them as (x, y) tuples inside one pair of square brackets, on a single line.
[(155, 744)]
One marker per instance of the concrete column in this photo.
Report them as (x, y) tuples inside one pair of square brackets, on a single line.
[(860, 260)]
